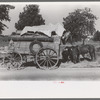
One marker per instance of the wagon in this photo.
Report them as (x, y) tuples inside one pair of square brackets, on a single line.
[(44, 52)]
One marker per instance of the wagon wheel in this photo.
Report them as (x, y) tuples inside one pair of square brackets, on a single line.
[(35, 46), (47, 58), (1, 62), (13, 60)]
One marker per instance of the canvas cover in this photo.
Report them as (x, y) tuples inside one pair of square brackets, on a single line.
[(46, 29)]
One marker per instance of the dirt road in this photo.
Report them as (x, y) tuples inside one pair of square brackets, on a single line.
[(65, 72)]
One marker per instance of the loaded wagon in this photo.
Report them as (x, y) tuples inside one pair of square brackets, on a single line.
[(43, 50)]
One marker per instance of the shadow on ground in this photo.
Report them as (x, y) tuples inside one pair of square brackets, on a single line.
[(82, 59), (29, 64), (32, 64)]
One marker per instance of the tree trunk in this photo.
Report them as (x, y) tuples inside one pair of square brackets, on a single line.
[(84, 41)]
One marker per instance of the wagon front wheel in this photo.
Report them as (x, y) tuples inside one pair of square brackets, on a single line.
[(47, 58)]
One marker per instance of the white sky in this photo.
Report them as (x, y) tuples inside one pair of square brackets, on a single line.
[(52, 12)]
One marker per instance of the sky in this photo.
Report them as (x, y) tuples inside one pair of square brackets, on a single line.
[(52, 12)]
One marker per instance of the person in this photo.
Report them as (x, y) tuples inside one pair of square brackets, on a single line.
[(65, 36), (11, 46), (56, 39), (53, 33)]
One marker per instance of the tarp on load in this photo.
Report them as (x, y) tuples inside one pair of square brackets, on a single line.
[(46, 29)]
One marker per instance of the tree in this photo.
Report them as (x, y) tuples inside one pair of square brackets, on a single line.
[(29, 17), (80, 23), (4, 15), (96, 36)]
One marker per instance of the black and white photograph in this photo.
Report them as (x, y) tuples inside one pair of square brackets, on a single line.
[(49, 41)]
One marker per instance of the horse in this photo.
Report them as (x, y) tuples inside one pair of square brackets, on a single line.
[(85, 49)]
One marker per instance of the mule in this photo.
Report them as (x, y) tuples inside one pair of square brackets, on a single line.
[(74, 54), (65, 55), (87, 49), (70, 54)]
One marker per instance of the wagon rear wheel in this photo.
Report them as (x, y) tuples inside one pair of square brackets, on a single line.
[(13, 60), (47, 58)]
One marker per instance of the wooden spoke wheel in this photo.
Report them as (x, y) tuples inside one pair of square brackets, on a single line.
[(13, 60), (47, 58)]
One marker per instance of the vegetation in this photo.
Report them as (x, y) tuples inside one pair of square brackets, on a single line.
[(96, 36), (29, 17), (80, 23), (4, 15)]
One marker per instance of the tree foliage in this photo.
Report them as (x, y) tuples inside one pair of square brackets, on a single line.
[(29, 17), (80, 23), (4, 15), (96, 36)]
